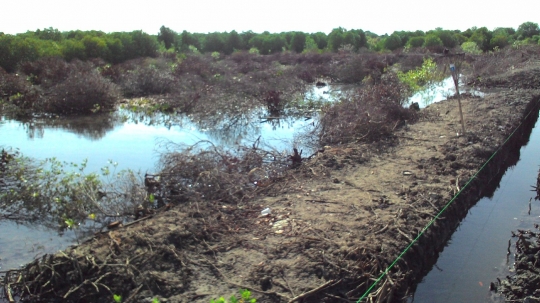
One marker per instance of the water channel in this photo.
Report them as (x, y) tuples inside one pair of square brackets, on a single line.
[(477, 252), (475, 256)]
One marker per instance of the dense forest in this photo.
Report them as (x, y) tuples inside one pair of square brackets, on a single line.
[(122, 46)]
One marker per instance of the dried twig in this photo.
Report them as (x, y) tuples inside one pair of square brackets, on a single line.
[(315, 290)]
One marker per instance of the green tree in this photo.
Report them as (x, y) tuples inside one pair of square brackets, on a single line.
[(498, 41), (321, 39), (335, 38), (95, 47), (461, 38), (233, 42), (49, 48), (15, 50), (268, 43), (166, 36), (432, 40), (527, 30), (471, 48), (482, 37), (246, 37), (311, 46), (8, 61), (273, 43), (116, 50), (73, 49), (415, 42), (351, 38), (392, 42), (298, 42), (144, 44), (448, 38), (405, 36), (187, 39), (49, 34), (213, 42)]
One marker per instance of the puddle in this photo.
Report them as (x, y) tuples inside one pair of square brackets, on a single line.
[(476, 253), (441, 91), (20, 244)]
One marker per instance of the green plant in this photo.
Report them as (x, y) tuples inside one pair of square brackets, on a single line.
[(471, 48), (245, 297), (193, 49), (61, 194), (432, 40), (117, 298), (417, 78)]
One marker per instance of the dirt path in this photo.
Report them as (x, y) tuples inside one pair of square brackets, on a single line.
[(336, 223)]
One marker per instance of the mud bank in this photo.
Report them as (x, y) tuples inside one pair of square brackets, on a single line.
[(524, 285), (337, 222)]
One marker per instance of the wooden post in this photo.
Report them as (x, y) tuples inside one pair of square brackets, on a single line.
[(455, 76)]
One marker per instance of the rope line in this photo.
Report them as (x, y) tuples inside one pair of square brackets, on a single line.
[(443, 209)]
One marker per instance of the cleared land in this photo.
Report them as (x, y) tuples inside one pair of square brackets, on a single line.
[(337, 221)]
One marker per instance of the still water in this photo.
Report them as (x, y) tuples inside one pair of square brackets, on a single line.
[(477, 252), (133, 141)]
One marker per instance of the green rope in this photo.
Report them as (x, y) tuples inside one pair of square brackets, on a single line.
[(440, 213)]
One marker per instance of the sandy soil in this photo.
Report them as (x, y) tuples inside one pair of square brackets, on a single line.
[(336, 223)]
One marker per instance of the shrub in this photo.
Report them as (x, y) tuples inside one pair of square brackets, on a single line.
[(205, 172), (448, 38), (84, 91), (432, 41), (350, 70), (12, 85), (143, 77), (46, 72), (471, 48), (392, 42), (372, 114), (195, 65), (498, 42), (61, 194), (416, 42), (417, 78)]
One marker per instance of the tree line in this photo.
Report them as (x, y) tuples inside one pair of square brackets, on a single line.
[(118, 47)]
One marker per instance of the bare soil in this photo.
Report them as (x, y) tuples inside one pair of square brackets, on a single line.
[(337, 222)]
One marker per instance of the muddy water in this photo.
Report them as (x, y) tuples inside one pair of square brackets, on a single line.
[(477, 252)]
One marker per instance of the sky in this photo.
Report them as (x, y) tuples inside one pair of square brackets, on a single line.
[(203, 16)]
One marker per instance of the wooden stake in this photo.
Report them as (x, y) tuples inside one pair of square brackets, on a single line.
[(455, 76)]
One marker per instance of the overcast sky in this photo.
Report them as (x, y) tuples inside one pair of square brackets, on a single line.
[(202, 16)]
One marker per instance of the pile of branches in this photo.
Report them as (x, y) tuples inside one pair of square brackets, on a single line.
[(524, 285), (205, 172), (510, 58), (373, 113)]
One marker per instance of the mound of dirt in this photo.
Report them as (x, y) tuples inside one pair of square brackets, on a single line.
[(336, 223)]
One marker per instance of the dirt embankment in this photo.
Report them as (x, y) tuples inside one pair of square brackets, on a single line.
[(336, 223)]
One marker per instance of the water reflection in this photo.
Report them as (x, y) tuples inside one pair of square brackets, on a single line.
[(441, 91), (93, 127)]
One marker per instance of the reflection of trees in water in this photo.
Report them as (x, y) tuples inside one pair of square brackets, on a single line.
[(93, 127), (226, 129), (230, 130)]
